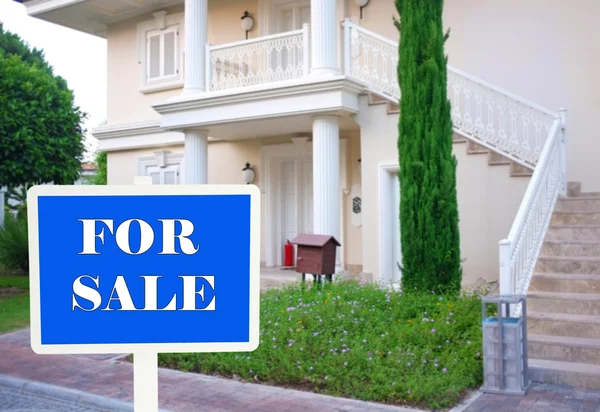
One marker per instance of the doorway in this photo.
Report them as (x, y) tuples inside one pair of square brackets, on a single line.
[(295, 211), (390, 245)]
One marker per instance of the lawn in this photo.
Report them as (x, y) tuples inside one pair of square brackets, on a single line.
[(14, 309), (359, 341)]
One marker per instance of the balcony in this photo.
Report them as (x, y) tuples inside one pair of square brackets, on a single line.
[(270, 77)]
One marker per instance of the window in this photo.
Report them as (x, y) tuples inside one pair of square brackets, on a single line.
[(164, 168), (160, 52), (168, 175)]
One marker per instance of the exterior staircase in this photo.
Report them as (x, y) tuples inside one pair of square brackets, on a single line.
[(564, 296), (494, 158)]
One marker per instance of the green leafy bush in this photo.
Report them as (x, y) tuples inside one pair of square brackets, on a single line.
[(14, 247), (359, 341)]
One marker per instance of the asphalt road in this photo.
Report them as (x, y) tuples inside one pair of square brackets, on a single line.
[(19, 402)]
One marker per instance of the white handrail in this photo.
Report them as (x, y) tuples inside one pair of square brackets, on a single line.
[(518, 253), (256, 40)]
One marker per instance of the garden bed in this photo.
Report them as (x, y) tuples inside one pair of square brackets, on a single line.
[(358, 341)]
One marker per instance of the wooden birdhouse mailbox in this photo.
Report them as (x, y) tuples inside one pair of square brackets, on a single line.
[(316, 255)]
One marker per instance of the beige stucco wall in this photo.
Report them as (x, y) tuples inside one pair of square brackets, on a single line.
[(488, 198), (125, 103), (225, 162), (544, 50)]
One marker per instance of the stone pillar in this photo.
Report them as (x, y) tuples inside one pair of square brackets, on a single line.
[(326, 176), (196, 157), (196, 34), (324, 37)]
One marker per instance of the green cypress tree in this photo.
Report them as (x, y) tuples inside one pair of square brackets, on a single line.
[(428, 203)]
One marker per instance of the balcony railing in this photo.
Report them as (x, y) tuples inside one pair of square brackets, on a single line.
[(266, 59)]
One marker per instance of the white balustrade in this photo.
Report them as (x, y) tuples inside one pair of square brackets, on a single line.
[(372, 60), (266, 59), (520, 250)]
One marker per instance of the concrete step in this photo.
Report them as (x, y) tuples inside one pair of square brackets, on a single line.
[(393, 108), (586, 218), (564, 348), (568, 264), (474, 148), (573, 232), (517, 170), (565, 282), (580, 375), (496, 159), (561, 302), (562, 324), (578, 204), (570, 248)]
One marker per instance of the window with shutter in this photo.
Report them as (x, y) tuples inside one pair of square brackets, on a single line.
[(162, 55), (160, 52)]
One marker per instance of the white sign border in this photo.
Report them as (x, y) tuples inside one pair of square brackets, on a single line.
[(142, 190)]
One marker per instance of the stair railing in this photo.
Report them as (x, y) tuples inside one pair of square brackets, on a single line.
[(486, 114), (520, 250), (510, 125)]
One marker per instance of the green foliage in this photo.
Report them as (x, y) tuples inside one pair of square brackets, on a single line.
[(428, 202), (361, 342), (101, 170), (41, 134), (19, 197), (14, 246)]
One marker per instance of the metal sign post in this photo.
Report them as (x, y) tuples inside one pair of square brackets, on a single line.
[(140, 269)]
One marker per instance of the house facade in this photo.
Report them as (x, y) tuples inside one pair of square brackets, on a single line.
[(306, 92)]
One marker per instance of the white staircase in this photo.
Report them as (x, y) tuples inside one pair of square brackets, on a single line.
[(564, 318)]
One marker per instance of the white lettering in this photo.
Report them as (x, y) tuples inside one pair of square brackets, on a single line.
[(146, 236), (87, 293), (151, 295), (169, 236), (189, 292), (123, 295), (90, 235)]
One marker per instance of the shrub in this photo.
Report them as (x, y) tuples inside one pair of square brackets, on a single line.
[(14, 246), (360, 342)]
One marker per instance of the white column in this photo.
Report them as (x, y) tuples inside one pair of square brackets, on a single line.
[(324, 37), (196, 34), (196, 157), (326, 176)]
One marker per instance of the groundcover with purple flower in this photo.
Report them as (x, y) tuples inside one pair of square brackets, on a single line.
[(359, 341)]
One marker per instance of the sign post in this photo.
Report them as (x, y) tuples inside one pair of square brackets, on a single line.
[(144, 269)]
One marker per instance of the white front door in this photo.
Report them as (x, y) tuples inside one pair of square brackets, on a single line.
[(295, 205)]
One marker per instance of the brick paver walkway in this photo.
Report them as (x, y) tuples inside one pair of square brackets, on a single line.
[(178, 391), (541, 398)]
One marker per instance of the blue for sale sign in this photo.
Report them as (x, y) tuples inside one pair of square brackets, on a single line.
[(175, 268)]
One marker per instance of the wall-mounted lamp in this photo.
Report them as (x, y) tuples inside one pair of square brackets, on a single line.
[(361, 4), (248, 174), (247, 23)]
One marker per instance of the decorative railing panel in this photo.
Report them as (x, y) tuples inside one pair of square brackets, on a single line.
[(372, 60), (497, 119), (492, 117), (266, 59)]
